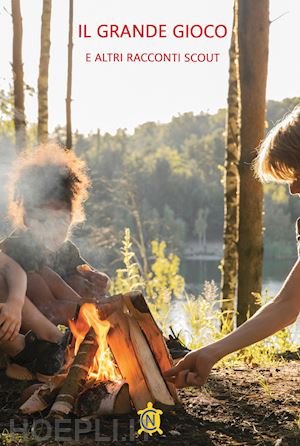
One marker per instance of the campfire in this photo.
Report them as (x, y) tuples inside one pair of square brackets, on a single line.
[(114, 364)]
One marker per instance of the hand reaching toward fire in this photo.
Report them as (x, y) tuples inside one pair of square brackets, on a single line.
[(192, 370), (89, 283)]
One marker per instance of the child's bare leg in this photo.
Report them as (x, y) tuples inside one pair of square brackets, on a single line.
[(59, 288), (32, 319), (12, 348), (41, 295)]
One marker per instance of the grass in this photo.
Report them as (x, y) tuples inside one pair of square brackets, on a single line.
[(203, 317)]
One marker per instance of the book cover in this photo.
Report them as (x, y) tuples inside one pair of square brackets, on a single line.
[(143, 154)]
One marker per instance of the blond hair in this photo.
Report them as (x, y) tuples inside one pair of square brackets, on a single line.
[(278, 157)]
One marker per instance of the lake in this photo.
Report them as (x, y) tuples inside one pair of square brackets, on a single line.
[(197, 271), (274, 274)]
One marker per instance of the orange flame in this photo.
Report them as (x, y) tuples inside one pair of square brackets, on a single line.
[(103, 367)]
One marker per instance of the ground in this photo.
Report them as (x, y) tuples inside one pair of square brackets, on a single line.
[(241, 406)]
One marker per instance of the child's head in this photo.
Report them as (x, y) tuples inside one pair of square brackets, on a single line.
[(279, 154), (47, 189)]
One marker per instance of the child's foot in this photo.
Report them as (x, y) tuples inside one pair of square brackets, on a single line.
[(176, 347), (51, 359), (38, 360), (21, 364)]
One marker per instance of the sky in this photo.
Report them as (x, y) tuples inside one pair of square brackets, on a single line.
[(124, 95)]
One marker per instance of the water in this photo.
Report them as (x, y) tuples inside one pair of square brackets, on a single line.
[(197, 271)]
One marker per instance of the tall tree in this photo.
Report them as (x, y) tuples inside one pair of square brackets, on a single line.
[(18, 76), (43, 73), (253, 39), (69, 79), (229, 265)]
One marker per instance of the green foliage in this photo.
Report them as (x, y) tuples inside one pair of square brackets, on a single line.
[(203, 317), (161, 284), (174, 172), (15, 439), (129, 277)]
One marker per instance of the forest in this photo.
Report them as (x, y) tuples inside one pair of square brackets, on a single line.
[(220, 365), (171, 174)]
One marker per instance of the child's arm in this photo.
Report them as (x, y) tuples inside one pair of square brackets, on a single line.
[(272, 317), (11, 309), (86, 281)]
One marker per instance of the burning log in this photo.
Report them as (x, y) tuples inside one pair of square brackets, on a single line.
[(94, 385), (88, 389), (119, 341), (76, 378), (139, 310), (104, 398)]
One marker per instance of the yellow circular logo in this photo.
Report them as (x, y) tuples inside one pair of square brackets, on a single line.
[(150, 420)]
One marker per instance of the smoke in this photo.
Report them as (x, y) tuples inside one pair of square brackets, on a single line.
[(7, 157)]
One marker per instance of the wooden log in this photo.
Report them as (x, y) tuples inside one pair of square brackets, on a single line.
[(104, 398), (139, 309), (105, 305), (76, 378), (39, 397), (156, 384), (119, 341)]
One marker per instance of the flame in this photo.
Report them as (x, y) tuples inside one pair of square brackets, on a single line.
[(103, 367)]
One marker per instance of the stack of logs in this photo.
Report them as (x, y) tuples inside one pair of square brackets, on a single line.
[(140, 353)]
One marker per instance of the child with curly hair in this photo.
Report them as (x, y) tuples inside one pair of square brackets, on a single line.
[(46, 194)]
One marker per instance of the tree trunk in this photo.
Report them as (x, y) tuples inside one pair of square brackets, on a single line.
[(43, 73), (253, 37), (69, 79), (229, 265), (18, 76)]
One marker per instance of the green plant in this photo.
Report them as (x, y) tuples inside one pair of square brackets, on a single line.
[(160, 285), (203, 316)]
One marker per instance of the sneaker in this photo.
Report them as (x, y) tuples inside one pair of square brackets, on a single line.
[(50, 360), (20, 366), (38, 360), (176, 347)]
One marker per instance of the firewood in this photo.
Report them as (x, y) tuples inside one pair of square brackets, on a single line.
[(76, 377), (104, 398), (156, 384), (139, 309), (38, 397), (41, 398), (105, 305), (119, 341)]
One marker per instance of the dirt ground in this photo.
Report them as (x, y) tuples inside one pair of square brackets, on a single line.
[(244, 406)]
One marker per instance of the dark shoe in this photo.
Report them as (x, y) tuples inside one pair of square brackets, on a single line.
[(50, 360), (21, 365), (39, 359), (176, 347)]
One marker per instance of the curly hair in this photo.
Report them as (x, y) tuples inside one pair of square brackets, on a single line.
[(49, 173)]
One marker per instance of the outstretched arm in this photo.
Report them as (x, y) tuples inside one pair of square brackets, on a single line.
[(282, 311)]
